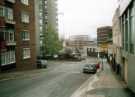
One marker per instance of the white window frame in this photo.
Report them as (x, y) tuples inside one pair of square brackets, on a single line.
[(26, 53), (2, 11), (8, 57), (9, 13), (25, 18), (25, 2), (25, 35)]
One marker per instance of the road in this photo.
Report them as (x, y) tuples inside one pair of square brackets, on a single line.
[(59, 80)]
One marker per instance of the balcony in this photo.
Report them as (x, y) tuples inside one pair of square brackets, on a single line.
[(10, 43), (10, 21), (11, 1)]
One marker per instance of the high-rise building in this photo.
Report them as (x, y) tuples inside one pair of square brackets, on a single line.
[(51, 14), (46, 17), (17, 34)]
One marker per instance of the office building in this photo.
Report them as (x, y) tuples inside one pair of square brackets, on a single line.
[(127, 19)]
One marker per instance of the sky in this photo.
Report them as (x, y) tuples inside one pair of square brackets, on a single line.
[(82, 17)]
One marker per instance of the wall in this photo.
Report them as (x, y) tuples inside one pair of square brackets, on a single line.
[(30, 63), (131, 74)]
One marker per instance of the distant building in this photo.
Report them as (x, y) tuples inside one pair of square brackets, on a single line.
[(92, 48), (104, 39), (17, 34), (127, 18), (82, 44)]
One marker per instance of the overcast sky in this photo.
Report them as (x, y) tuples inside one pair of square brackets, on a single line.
[(84, 16)]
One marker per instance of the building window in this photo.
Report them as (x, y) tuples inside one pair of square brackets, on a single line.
[(25, 35), (9, 13), (128, 29), (26, 53), (132, 29), (26, 2), (8, 57), (25, 17), (1, 11), (41, 22)]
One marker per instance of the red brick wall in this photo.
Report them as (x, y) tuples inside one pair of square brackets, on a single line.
[(27, 63)]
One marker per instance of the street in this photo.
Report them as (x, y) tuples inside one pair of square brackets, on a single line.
[(59, 80)]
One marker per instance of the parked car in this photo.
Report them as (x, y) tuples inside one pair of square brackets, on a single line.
[(41, 63), (90, 68)]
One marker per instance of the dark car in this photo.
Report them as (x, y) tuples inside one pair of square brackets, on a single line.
[(41, 63), (90, 68)]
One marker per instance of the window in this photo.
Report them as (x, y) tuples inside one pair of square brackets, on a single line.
[(26, 2), (41, 28), (8, 57), (45, 1), (128, 29), (26, 53), (10, 36), (132, 29), (1, 11), (9, 13), (41, 42), (41, 22), (25, 35), (25, 17)]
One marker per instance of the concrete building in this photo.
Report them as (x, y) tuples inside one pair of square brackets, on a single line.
[(127, 17), (104, 39), (46, 18), (40, 18), (52, 15), (17, 34), (117, 42), (92, 48), (83, 44)]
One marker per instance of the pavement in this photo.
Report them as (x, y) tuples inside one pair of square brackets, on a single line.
[(104, 84)]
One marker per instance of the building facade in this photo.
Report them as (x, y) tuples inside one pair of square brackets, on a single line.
[(82, 44), (104, 39), (117, 42), (46, 18), (17, 25), (127, 17)]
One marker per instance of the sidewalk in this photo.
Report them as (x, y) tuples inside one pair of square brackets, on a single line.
[(103, 84), (108, 85)]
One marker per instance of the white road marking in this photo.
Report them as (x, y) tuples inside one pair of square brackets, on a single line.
[(87, 86)]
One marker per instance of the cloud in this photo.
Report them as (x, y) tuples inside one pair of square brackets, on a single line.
[(84, 16)]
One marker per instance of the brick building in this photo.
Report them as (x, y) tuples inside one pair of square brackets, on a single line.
[(17, 31), (104, 39)]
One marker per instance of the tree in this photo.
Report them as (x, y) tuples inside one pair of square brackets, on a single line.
[(52, 42)]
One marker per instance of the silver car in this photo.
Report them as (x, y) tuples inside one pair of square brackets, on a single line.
[(90, 68)]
